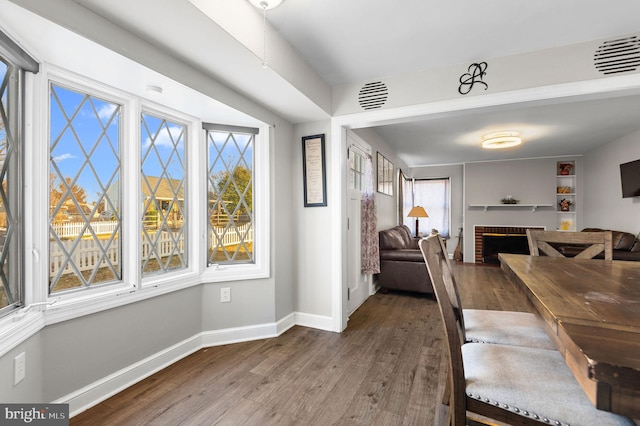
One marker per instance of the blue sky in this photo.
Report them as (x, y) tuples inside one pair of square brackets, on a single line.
[(94, 119)]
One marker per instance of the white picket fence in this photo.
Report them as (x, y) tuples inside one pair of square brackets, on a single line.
[(87, 254), (72, 229), (232, 237), (164, 245)]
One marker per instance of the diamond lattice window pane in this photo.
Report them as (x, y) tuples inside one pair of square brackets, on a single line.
[(164, 220), (10, 198), (230, 197), (84, 194)]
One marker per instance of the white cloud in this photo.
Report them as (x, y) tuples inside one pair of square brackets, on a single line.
[(163, 139), (63, 157), (106, 111)]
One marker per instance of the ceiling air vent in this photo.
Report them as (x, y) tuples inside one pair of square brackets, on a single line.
[(616, 56), (373, 95)]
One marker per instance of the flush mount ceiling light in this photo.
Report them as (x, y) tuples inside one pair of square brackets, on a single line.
[(501, 140), (265, 5)]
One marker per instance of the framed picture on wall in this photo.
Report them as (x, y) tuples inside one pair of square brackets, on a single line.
[(314, 171), (385, 175)]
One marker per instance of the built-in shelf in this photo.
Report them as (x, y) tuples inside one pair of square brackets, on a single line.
[(566, 181), (486, 207)]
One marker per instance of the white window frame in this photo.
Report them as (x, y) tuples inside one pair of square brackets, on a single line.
[(260, 268), (410, 201), (132, 288), (44, 309), (192, 141)]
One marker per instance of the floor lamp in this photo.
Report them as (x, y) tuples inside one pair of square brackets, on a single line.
[(417, 212)]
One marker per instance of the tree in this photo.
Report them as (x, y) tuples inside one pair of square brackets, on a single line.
[(59, 196), (236, 191)]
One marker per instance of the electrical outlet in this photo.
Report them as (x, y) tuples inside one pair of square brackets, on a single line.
[(19, 368), (225, 295)]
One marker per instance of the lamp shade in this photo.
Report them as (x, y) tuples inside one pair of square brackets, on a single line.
[(418, 211)]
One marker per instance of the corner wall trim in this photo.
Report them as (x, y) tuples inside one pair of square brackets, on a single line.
[(314, 321)]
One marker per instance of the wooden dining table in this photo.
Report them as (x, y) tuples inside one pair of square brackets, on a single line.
[(591, 310)]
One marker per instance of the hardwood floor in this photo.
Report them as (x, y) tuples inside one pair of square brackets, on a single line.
[(386, 368)]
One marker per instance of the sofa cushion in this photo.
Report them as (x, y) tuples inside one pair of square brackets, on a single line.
[(621, 240), (391, 239), (570, 251), (397, 238), (405, 255), (409, 241)]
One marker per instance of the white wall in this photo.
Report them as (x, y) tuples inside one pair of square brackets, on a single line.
[(543, 68), (530, 181), (386, 205), (313, 227), (604, 205), (32, 387), (79, 352)]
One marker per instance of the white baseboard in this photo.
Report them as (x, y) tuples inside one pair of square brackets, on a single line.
[(314, 321), (100, 390), (285, 323)]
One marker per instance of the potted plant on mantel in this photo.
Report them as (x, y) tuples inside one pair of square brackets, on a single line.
[(565, 205), (509, 200)]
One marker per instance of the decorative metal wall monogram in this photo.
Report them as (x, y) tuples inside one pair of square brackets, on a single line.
[(476, 73)]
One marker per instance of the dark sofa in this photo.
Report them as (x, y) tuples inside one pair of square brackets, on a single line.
[(626, 246), (402, 266)]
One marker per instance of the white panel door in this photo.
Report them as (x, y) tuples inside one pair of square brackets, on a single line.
[(358, 284)]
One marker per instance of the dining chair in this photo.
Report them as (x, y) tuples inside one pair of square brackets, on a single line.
[(492, 326), (591, 243), (512, 384)]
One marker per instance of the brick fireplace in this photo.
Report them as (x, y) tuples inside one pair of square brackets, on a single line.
[(489, 240)]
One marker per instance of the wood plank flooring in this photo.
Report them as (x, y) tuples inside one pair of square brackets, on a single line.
[(386, 368)]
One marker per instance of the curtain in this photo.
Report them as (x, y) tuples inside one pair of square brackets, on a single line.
[(406, 203), (370, 261), (401, 196), (435, 196)]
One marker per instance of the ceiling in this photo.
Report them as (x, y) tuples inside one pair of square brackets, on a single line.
[(359, 40), (356, 40), (351, 41)]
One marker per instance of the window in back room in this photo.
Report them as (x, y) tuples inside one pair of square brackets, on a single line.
[(435, 196)]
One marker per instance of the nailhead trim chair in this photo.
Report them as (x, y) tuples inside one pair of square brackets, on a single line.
[(512, 384), (490, 326)]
